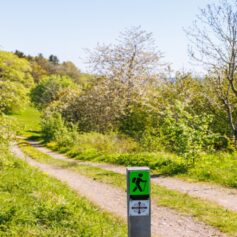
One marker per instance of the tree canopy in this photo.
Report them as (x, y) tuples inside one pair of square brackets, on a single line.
[(15, 82)]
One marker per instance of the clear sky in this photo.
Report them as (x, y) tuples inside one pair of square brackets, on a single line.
[(66, 27)]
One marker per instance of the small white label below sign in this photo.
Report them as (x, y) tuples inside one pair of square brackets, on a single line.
[(139, 208)]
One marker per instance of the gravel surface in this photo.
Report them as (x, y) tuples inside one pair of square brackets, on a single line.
[(225, 197), (165, 222)]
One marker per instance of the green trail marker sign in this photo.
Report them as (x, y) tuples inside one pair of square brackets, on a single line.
[(139, 182), (138, 202)]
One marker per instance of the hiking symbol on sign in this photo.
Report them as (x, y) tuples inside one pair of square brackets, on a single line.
[(139, 183)]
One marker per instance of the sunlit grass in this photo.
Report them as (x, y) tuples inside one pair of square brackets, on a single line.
[(28, 122), (32, 204)]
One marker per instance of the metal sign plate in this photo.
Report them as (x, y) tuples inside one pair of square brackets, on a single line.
[(139, 207)]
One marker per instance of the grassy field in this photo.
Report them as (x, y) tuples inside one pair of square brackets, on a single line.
[(28, 122), (32, 204), (205, 211)]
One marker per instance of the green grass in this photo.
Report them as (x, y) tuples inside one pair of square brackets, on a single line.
[(160, 162), (32, 204), (28, 122), (205, 211), (220, 168)]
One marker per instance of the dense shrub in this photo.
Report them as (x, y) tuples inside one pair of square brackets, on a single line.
[(50, 89), (55, 129), (186, 134)]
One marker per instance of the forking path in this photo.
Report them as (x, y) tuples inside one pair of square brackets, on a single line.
[(226, 197), (165, 222)]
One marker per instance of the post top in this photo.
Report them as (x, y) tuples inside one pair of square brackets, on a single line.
[(138, 168)]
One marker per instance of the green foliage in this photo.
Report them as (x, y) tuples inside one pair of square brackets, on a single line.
[(66, 136), (135, 121), (152, 140), (114, 149), (50, 126), (32, 204), (219, 167), (98, 107), (97, 143), (42, 66), (15, 69), (15, 82), (13, 96), (65, 105), (67, 139), (7, 127), (55, 129), (50, 89), (186, 134)]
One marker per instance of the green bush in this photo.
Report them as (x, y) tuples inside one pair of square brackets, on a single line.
[(50, 89), (50, 125), (151, 140), (186, 134), (55, 129)]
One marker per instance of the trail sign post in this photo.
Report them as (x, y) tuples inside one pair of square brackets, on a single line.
[(138, 202)]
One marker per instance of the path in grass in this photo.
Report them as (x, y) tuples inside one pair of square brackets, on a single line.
[(165, 222), (225, 197)]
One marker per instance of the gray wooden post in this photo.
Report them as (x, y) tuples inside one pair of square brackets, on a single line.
[(138, 202)]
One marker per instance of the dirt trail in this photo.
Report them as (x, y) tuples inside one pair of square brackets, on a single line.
[(225, 197), (165, 222)]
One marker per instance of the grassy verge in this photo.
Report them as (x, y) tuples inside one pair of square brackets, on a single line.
[(205, 211), (32, 204), (159, 162), (219, 168)]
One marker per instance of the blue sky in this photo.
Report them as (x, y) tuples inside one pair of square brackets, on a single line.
[(66, 27)]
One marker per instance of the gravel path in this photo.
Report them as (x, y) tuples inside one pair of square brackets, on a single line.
[(165, 222), (225, 197)]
